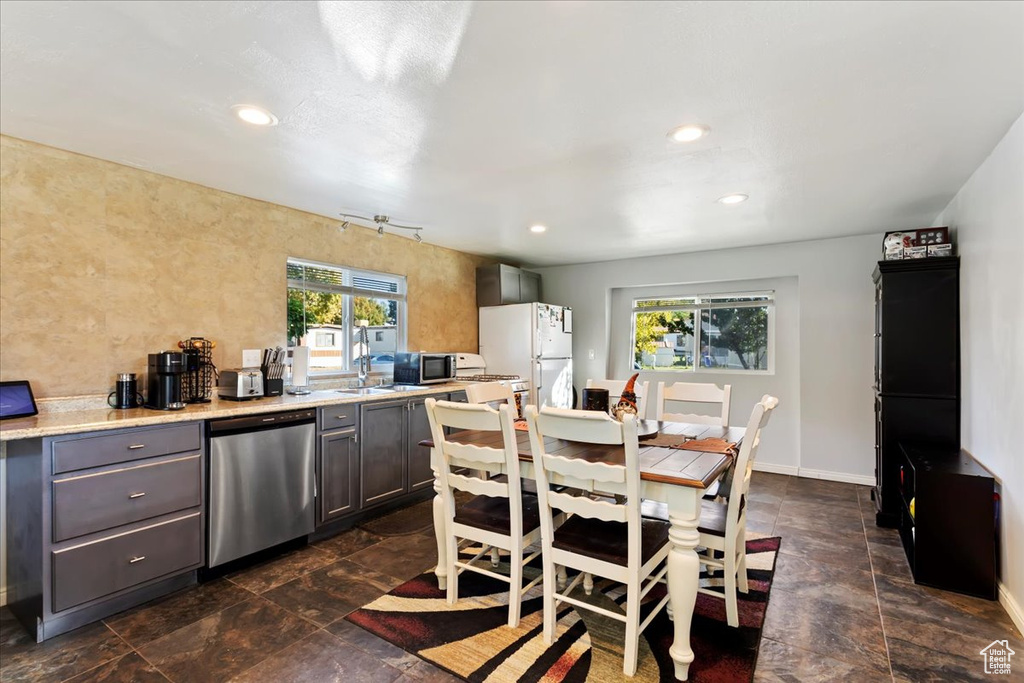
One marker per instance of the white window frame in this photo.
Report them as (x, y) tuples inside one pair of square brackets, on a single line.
[(697, 304), (348, 288)]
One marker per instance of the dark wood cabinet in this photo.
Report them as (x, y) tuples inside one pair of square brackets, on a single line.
[(103, 522), (499, 284), (383, 465), (948, 520), (917, 367), (338, 475), (421, 475)]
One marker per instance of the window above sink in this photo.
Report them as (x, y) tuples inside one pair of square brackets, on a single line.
[(327, 303)]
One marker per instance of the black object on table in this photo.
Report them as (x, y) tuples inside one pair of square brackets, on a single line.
[(952, 537)]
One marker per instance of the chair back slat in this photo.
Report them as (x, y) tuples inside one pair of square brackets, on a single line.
[(476, 457), (693, 392), (466, 416), (490, 392), (585, 507), (582, 470), (478, 486), (615, 388), (579, 425)]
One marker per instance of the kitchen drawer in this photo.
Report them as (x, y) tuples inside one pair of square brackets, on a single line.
[(93, 570), (94, 451), (338, 417), (93, 502)]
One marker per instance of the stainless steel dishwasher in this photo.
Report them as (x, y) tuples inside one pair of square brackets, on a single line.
[(262, 482)]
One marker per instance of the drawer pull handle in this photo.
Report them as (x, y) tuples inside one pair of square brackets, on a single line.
[(136, 446), (140, 558), (268, 419), (137, 495), (340, 417)]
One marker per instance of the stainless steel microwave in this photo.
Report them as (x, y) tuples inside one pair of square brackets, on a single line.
[(424, 368)]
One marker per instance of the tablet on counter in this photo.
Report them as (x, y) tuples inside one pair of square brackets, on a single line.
[(16, 400)]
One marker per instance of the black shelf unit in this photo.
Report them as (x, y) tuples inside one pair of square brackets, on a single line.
[(917, 368), (951, 540)]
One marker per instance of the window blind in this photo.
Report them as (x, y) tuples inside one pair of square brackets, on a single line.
[(321, 277)]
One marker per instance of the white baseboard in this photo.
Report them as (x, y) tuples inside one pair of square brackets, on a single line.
[(836, 476), (1011, 606), (791, 470), (794, 471)]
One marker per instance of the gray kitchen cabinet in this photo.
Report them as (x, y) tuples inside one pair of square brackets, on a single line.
[(338, 475), (529, 287), (421, 475), (499, 284), (337, 462), (383, 461), (104, 521)]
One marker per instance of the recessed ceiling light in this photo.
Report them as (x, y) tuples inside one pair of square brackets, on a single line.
[(689, 132), (538, 228), (257, 116), (733, 199)]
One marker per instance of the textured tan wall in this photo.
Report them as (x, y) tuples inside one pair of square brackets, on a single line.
[(101, 264)]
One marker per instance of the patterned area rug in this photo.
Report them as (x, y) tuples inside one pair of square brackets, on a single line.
[(471, 639)]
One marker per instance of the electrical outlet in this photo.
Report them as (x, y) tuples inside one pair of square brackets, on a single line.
[(251, 358), (590, 354)]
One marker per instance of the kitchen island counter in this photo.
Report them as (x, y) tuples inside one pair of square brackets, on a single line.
[(91, 419)]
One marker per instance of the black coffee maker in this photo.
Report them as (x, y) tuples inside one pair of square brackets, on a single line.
[(164, 378)]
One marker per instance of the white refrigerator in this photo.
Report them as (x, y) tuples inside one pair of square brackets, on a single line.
[(533, 341)]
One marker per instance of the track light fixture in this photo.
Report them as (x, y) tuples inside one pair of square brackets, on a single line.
[(382, 220)]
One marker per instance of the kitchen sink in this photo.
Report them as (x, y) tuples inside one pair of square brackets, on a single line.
[(366, 391), (408, 387)]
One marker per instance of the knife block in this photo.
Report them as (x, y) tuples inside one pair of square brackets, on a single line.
[(271, 387)]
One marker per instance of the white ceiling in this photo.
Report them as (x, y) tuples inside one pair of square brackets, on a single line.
[(479, 119)]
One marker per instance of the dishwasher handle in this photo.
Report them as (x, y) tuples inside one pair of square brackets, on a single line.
[(264, 421)]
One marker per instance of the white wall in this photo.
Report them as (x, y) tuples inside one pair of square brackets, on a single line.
[(987, 216), (831, 411)]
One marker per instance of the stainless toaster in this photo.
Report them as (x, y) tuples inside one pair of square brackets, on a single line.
[(240, 383)]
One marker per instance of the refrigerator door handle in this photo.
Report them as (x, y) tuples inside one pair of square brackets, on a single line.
[(538, 373)]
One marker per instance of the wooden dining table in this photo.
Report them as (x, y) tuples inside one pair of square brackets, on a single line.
[(669, 475)]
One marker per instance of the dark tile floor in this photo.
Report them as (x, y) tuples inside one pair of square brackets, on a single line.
[(843, 607)]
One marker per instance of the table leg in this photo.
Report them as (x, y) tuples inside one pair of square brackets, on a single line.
[(441, 570), (683, 572)]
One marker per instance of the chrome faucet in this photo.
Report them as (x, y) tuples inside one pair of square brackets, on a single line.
[(365, 364)]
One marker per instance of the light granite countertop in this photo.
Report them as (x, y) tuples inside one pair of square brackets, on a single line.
[(89, 418)]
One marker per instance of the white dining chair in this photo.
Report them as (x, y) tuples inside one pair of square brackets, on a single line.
[(500, 516), (693, 392), (615, 388), (491, 393), (606, 537), (723, 525)]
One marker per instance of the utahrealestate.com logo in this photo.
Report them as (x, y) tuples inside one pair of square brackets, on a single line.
[(997, 657)]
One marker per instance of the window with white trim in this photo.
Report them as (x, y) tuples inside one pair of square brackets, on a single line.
[(712, 333), (326, 306)]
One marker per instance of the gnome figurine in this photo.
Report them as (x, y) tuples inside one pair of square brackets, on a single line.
[(627, 402)]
